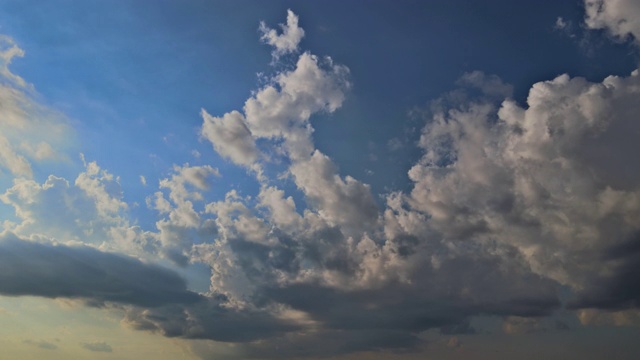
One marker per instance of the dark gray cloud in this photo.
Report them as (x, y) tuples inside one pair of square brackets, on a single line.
[(208, 320), (55, 271), (156, 299), (619, 287)]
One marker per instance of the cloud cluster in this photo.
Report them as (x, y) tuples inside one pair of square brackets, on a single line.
[(280, 111), (621, 18), (82, 211), (509, 202)]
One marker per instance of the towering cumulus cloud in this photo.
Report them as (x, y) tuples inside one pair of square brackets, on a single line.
[(509, 203)]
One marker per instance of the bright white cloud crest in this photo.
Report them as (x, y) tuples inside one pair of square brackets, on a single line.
[(288, 41), (621, 18)]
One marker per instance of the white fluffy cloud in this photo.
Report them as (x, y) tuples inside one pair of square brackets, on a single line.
[(509, 202), (346, 202), (288, 41), (83, 211), (553, 179), (183, 225), (621, 18), (230, 137)]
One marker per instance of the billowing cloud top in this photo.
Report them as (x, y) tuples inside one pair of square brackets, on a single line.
[(621, 18), (288, 40)]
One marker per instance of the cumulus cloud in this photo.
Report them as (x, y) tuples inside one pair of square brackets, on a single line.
[(621, 18), (230, 137), (348, 270), (83, 211), (550, 180), (508, 202), (345, 202), (183, 225), (280, 111), (288, 40), (97, 347)]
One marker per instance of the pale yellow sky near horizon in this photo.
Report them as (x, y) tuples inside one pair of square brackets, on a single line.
[(31, 327), (28, 325)]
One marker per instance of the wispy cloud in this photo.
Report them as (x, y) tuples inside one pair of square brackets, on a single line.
[(42, 344), (98, 347)]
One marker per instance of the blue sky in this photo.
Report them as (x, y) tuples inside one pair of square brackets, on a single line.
[(305, 179)]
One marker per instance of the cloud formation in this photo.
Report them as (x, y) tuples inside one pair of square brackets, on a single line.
[(620, 18), (288, 40), (509, 202)]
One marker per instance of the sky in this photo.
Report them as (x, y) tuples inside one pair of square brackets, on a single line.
[(319, 179)]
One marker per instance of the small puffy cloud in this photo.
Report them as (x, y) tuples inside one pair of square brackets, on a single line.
[(143, 180), (98, 347), (621, 18), (288, 40), (230, 137), (395, 144), (560, 23)]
